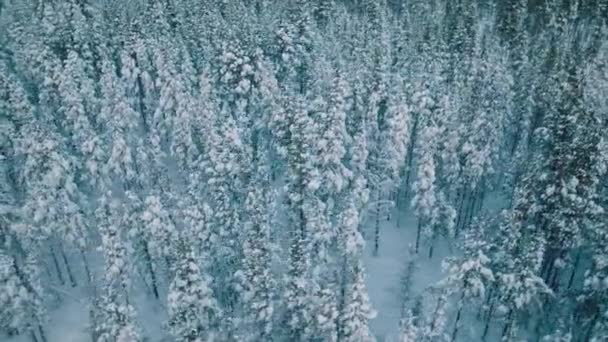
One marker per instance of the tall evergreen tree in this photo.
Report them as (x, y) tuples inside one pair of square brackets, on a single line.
[(193, 312)]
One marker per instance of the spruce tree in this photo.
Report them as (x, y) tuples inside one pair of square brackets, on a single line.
[(193, 312)]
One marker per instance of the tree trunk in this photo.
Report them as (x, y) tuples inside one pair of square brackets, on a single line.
[(377, 226), (148, 261), (93, 330), (507, 327), (435, 314), (398, 199), (57, 268), (410, 159), (398, 224), (455, 331), (482, 197), (548, 264), (418, 235), (467, 211), (67, 265), (342, 298), (554, 281), (47, 270), (42, 334), (460, 208), (87, 269), (33, 336), (471, 209), (486, 328), (388, 212), (591, 326), (475, 208), (577, 259), (141, 100)]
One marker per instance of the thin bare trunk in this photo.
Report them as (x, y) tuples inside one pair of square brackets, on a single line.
[(554, 281), (33, 336), (591, 327), (410, 159), (67, 265), (42, 334), (148, 261), (418, 235), (470, 210), (377, 226), (87, 269), (486, 328), (507, 327), (460, 208), (436, 314), (482, 197), (574, 268), (548, 265), (56, 264), (455, 331)]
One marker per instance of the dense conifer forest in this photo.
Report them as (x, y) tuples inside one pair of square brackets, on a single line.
[(321, 170)]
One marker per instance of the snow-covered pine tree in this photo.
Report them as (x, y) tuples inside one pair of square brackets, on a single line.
[(121, 122), (425, 198), (135, 77), (258, 284), (139, 238), (435, 324), (482, 151), (302, 182), (193, 312), (224, 168), (21, 299), (396, 133), (390, 154), (326, 138), (197, 220), (590, 306), (564, 178), (51, 195), (64, 213), (159, 231), (183, 144), (114, 318), (357, 310), (332, 143), (518, 284), (470, 275), (78, 105), (96, 98), (425, 92), (295, 48)]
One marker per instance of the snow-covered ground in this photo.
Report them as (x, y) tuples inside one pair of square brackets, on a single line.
[(68, 322), (385, 270)]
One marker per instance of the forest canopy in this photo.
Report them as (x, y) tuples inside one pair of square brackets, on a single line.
[(264, 170)]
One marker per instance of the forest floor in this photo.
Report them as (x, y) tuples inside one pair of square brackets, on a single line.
[(69, 320), (385, 270)]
